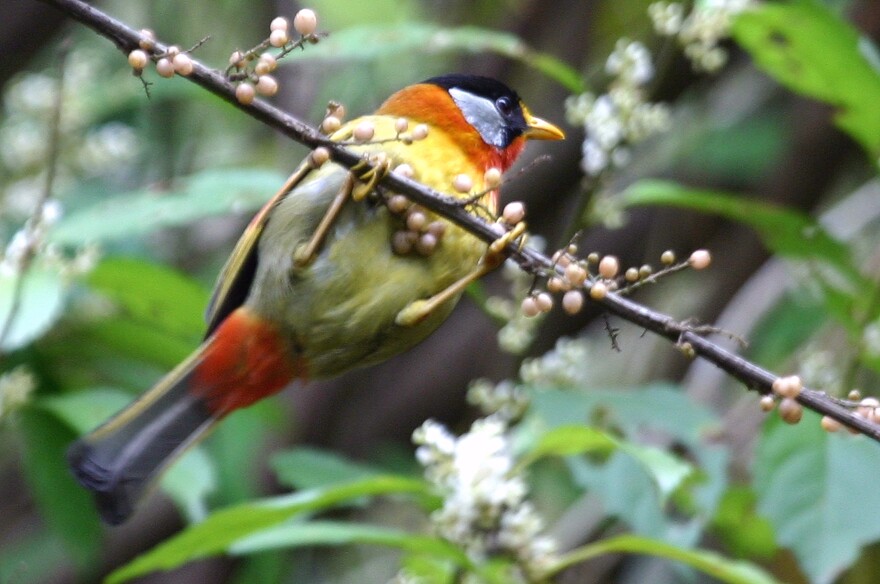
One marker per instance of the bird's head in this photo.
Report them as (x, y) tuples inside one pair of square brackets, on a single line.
[(487, 118)]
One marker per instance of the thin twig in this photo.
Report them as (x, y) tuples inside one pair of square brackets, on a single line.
[(534, 262), (36, 218)]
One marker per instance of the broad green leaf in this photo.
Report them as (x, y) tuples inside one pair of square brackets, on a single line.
[(154, 294), (220, 530), (295, 534), (66, 508), (83, 411), (209, 193), (375, 42), (810, 50), (783, 231), (305, 468), (744, 532), (666, 471), (793, 320), (710, 563), (40, 297), (819, 491)]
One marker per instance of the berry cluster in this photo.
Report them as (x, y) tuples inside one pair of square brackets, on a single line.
[(601, 275), (251, 69), (172, 60)]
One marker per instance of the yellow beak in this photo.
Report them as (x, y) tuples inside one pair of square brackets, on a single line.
[(539, 129)]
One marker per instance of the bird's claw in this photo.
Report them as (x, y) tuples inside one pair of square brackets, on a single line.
[(368, 174)]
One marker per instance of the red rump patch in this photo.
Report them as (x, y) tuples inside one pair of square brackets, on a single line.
[(245, 360)]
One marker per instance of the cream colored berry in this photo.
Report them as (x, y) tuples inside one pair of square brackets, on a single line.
[(667, 258), (172, 51), (556, 284), (572, 301), (437, 229), (426, 244), (631, 275), (545, 301), (266, 85), (866, 407), (305, 22), (148, 39), (789, 386), (319, 156), (420, 132), (183, 64), (645, 271), (492, 177), (608, 267), (138, 59), (165, 67), (830, 424), (598, 291), (854, 395), (279, 23), (530, 307), (790, 411), (514, 212), (397, 204), (236, 59), (416, 220), (700, 259), (330, 124), (278, 38), (364, 131), (767, 403), (245, 93), (401, 243), (404, 169), (401, 125), (462, 183), (575, 274)]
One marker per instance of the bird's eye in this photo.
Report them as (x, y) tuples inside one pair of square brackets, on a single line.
[(504, 105)]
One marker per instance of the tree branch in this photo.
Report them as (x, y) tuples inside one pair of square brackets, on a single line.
[(753, 376)]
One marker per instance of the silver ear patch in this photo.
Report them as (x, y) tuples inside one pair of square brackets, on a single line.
[(482, 115)]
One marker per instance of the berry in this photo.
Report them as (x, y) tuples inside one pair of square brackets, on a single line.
[(183, 64), (598, 291), (631, 275), (426, 244), (608, 267), (397, 203), (400, 125), (492, 177), (545, 301), (700, 259), (319, 156), (236, 59), (767, 403), (790, 411), (245, 93), (138, 59), (416, 220), (364, 131), (278, 23), (572, 301), (462, 183), (305, 22), (278, 38), (830, 424), (266, 85), (420, 132), (404, 170), (514, 212), (165, 67), (667, 258), (529, 307), (148, 39), (576, 274), (330, 124)]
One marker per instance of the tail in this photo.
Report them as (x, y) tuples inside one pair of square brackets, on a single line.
[(245, 360)]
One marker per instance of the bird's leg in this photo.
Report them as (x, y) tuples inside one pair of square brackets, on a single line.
[(306, 252), (418, 310)]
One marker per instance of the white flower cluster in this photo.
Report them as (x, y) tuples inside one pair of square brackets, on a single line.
[(701, 31), (16, 387), (564, 366), (484, 508), (622, 116)]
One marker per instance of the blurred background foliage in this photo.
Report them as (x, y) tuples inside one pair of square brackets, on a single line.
[(771, 164)]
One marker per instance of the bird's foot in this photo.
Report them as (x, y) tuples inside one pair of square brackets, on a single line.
[(368, 174), (418, 310)]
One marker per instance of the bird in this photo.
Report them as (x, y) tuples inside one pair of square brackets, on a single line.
[(328, 276)]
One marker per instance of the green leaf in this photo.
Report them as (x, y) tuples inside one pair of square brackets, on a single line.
[(710, 563), (65, 506), (376, 42), (208, 193), (222, 529), (819, 491), (40, 303), (742, 530), (338, 533), (305, 468), (783, 231), (83, 411), (189, 482), (810, 50), (153, 294)]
